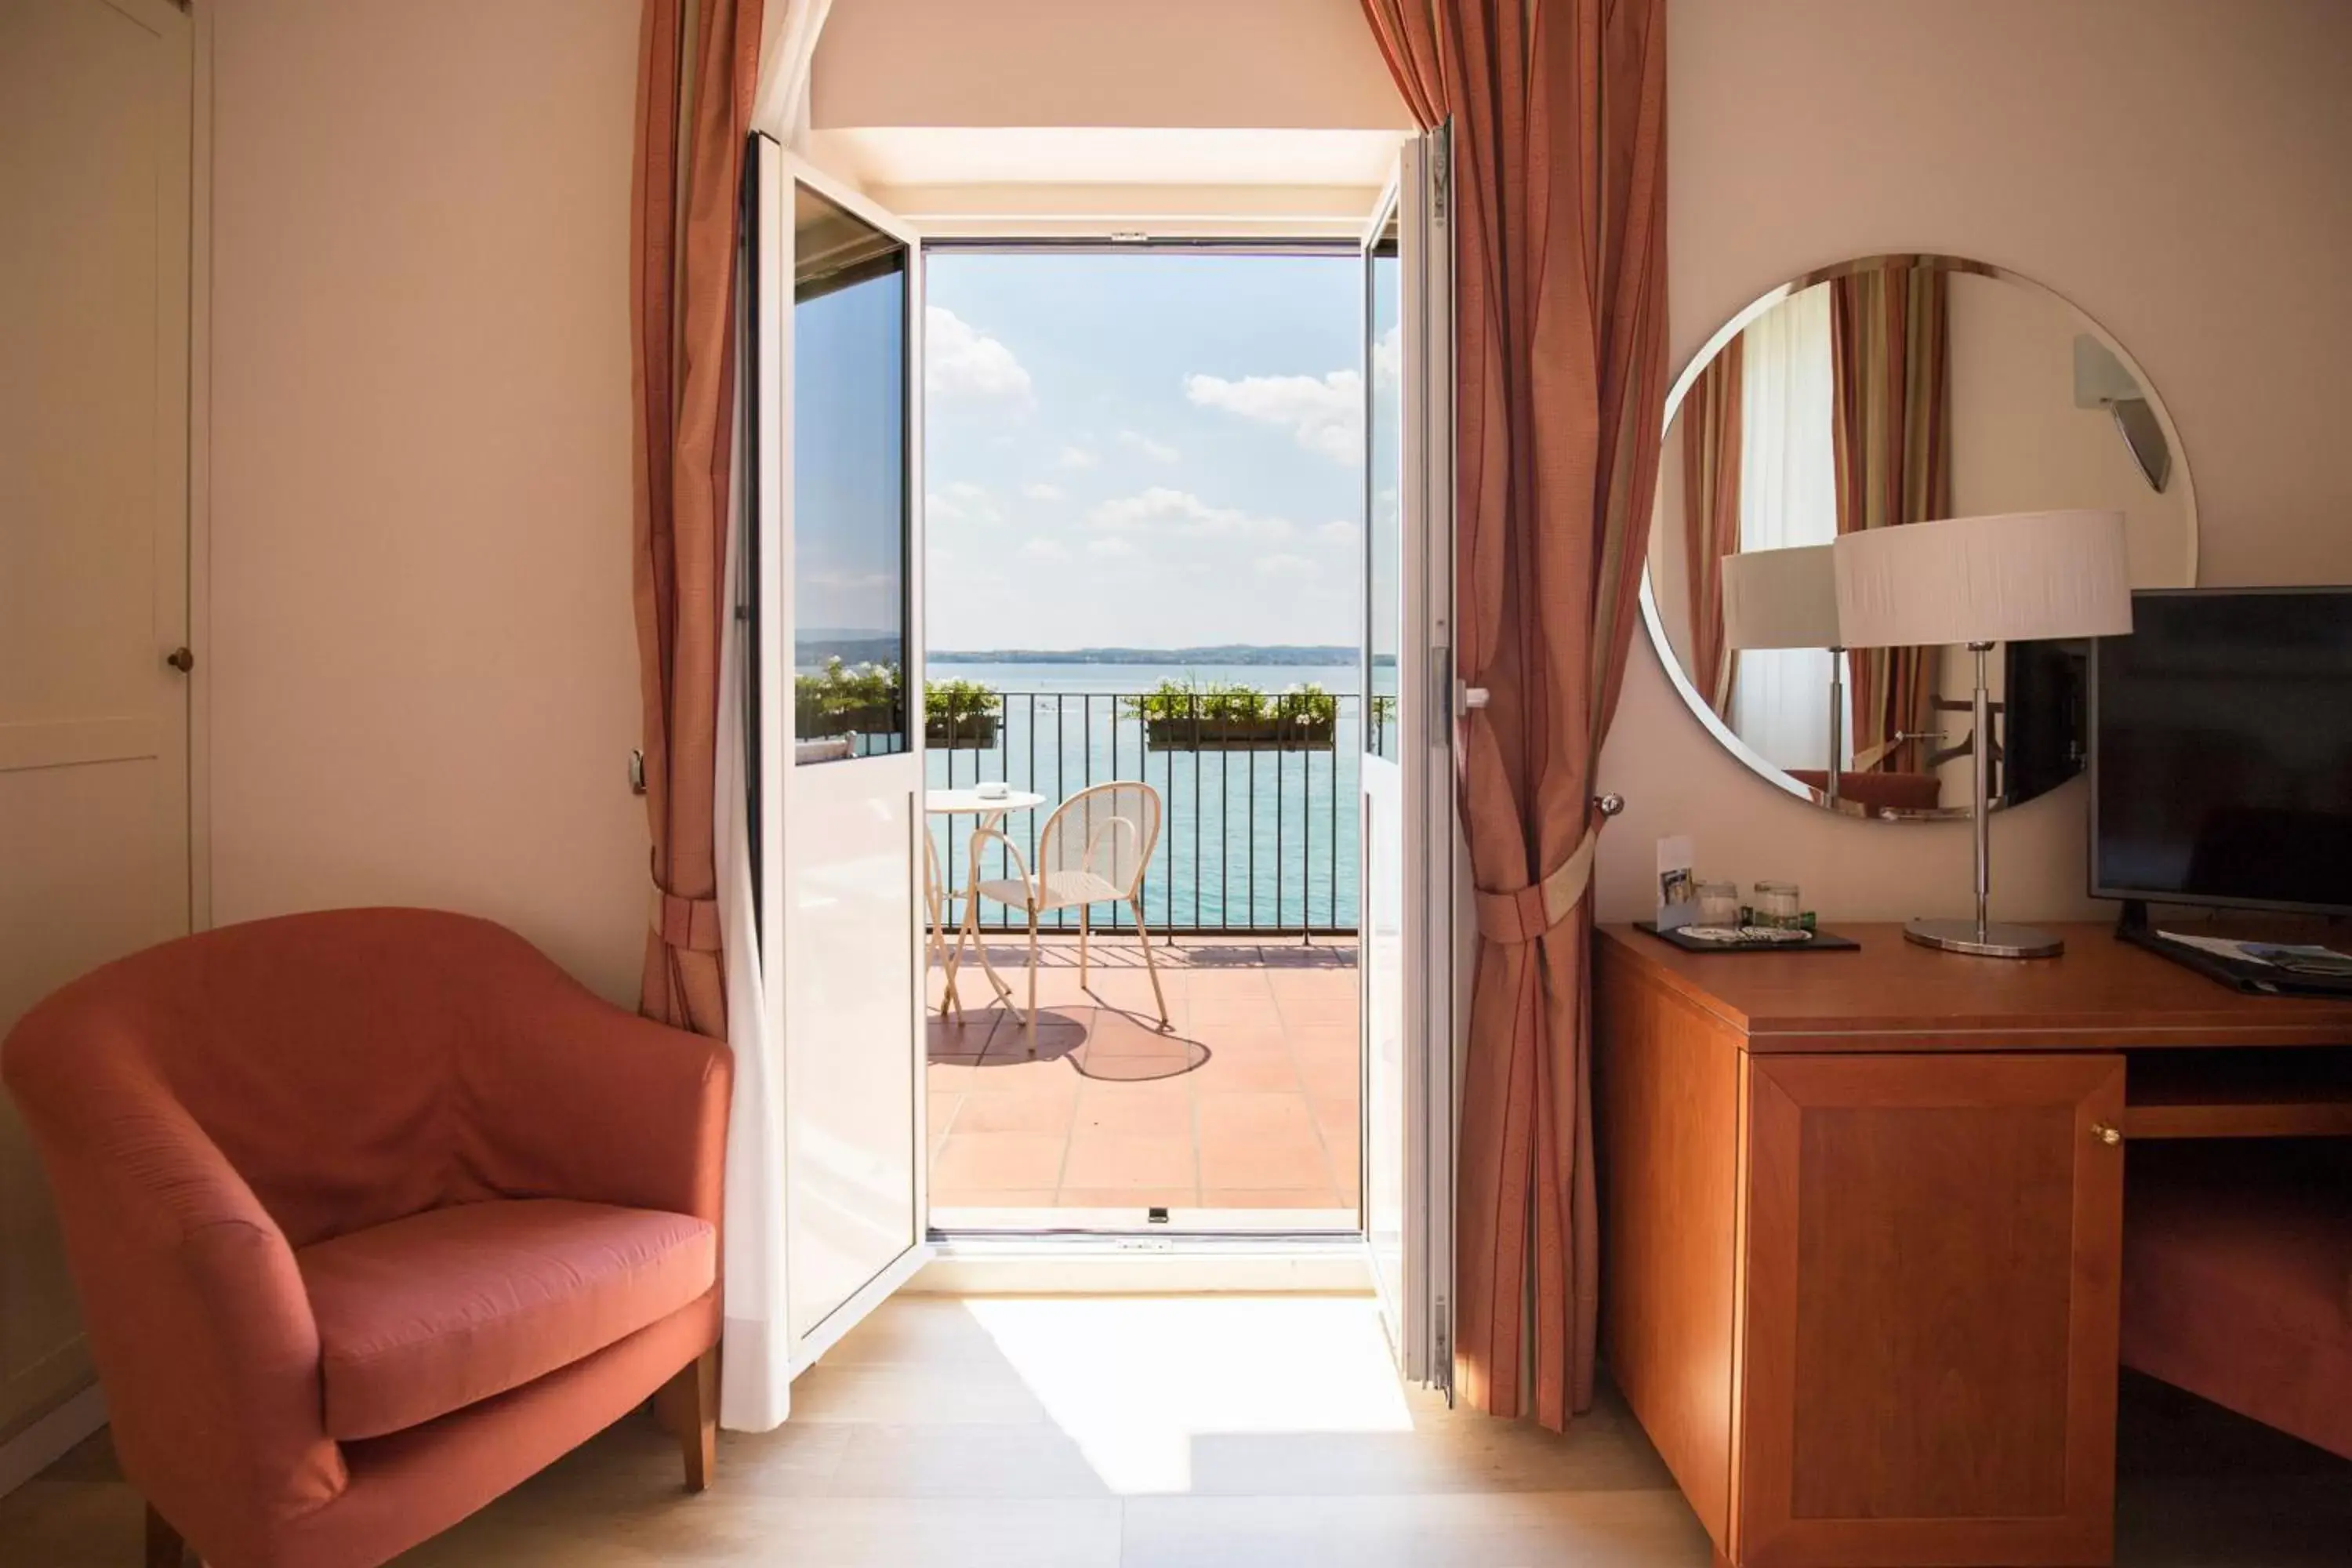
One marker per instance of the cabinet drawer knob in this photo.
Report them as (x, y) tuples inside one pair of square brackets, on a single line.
[(2106, 1133)]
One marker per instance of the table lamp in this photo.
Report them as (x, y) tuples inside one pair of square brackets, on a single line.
[(2015, 577), (1787, 598)]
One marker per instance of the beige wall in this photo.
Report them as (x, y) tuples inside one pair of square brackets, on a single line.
[(2180, 169), (422, 643), (1259, 64)]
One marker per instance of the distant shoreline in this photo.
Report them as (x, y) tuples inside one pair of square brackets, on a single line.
[(1310, 655)]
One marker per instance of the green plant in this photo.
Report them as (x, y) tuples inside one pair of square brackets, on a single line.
[(1229, 703), (845, 695), (955, 701)]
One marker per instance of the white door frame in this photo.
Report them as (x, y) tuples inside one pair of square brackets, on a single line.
[(778, 172), (1432, 908)]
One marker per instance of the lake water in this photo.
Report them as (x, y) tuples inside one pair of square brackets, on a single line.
[(1250, 840)]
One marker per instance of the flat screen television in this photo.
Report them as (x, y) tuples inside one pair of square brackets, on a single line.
[(2221, 751)]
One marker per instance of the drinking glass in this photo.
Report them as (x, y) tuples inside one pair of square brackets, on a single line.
[(1777, 905), (1719, 903)]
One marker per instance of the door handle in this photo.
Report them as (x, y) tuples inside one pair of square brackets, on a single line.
[(181, 659), (1473, 697)]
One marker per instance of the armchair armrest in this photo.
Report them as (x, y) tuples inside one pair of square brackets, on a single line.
[(571, 1097), (189, 1292)]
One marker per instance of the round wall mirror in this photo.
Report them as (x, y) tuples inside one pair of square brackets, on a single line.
[(1879, 391)]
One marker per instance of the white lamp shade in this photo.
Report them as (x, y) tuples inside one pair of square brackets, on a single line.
[(1781, 599), (2015, 577)]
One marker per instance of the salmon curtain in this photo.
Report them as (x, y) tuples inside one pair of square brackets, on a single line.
[(1711, 438), (697, 66), (1891, 440), (1558, 132)]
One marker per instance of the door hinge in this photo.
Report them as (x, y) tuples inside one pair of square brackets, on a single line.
[(1441, 170)]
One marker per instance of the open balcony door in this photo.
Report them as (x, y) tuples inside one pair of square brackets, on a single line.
[(1408, 832), (834, 434)]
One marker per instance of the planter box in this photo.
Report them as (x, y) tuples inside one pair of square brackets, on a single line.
[(970, 733), (1239, 735), (852, 721)]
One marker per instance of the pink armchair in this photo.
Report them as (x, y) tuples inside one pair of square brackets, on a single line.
[(372, 1214)]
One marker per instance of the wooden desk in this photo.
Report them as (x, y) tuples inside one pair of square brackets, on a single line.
[(1862, 1225)]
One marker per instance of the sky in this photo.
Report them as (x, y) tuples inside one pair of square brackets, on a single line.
[(1149, 449)]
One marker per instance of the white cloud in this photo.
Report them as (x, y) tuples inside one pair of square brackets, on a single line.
[(1284, 566), (1159, 510), (1339, 530), (1323, 414), (1388, 358), (963, 502), (1157, 451), (962, 361), (1113, 549), (1042, 491), (1045, 549), (1076, 457)]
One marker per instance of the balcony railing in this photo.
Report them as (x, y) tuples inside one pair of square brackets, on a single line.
[(1258, 822)]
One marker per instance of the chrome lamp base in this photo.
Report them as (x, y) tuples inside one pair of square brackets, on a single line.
[(1993, 938)]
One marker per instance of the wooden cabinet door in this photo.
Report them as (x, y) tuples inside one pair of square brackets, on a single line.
[(1928, 1346)]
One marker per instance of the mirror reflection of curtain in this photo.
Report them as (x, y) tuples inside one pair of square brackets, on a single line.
[(1780, 697), (1711, 470), (1890, 347)]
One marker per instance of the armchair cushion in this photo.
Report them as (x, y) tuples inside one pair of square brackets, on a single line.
[(424, 1315)]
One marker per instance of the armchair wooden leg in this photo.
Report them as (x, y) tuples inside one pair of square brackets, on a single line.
[(688, 1407), (164, 1547)]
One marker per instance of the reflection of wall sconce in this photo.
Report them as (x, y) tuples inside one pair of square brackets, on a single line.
[(2102, 381)]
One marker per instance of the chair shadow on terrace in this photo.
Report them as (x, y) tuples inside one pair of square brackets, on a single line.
[(1099, 1039)]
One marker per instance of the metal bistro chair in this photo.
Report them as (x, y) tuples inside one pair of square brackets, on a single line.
[(1093, 851)]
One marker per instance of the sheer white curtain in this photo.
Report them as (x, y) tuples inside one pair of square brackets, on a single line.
[(756, 1366), (1788, 496)]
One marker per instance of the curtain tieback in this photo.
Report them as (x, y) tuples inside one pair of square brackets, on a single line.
[(689, 923), (1520, 915)]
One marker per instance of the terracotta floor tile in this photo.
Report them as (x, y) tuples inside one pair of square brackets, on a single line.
[(1128, 1197), (1019, 1110), (1273, 1198), (1257, 1117), (1337, 1035), (986, 1198), (986, 1162), (1020, 1074), (1156, 1110), (1107, 1159), (1172, 1063), (1111, 1032), (1335, 1007), (1282, 1164), (1336, 1115), (1331, 1078), (1286, 984), (953, 1075), (1227, 1070), (939, 1110), (1267, 1041), (1205, 1013)]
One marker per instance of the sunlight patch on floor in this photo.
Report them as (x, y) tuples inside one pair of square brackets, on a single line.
[(1134, 1382)]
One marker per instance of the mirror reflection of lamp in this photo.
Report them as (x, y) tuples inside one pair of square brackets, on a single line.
[(1788, 599)]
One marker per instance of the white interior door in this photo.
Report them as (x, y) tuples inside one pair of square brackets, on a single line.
[(94, 247), (1408, 773), (836, 318)]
